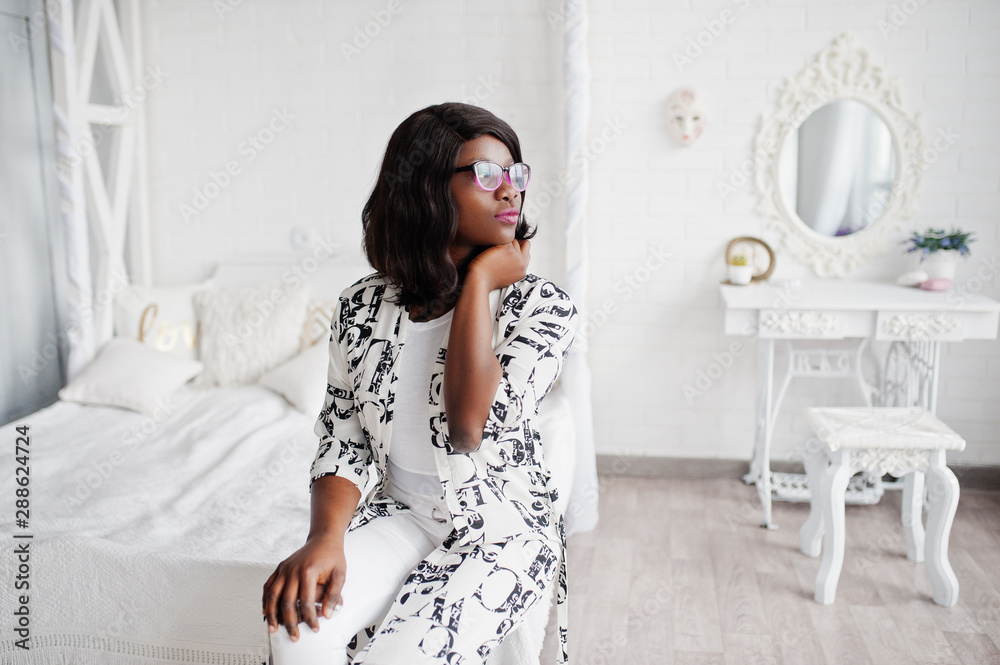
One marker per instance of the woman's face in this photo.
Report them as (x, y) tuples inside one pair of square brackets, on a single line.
[(478, 224)]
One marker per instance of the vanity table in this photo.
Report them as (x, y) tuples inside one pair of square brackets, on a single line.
[(916, 322), (839, 163)]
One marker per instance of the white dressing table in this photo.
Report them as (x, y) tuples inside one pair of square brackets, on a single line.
[(915, 321), (835, 177)]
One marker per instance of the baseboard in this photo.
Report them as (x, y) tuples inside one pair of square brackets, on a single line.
[(973, 477)]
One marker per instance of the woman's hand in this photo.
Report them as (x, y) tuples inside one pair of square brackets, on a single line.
[(318, 568), (502, 265)]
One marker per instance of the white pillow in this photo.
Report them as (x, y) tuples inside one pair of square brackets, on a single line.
[(128, 374), (302, 380), (247, 330), (319, 316), (161, 317)]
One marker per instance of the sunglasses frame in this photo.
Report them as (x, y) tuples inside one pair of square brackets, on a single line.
[(504, 174)]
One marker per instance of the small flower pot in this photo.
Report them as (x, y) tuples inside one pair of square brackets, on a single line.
[(940, 264), (740, 275), (940, 268)]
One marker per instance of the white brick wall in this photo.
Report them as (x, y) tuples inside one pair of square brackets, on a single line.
[(226, 75)]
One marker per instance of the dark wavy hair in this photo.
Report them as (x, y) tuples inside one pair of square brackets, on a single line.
[(410, 219)]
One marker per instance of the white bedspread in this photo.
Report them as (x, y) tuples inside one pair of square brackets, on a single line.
[(197, 515), (152, 540)]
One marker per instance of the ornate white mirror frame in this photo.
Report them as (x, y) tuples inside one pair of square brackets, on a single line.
[(842, 71)]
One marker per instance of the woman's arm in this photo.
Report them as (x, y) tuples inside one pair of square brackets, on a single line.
[(338, 474), (334, 500), (320, 564), (472, 372)]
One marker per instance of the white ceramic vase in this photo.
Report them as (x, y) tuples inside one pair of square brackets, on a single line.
[(941, 264), (740, 275)]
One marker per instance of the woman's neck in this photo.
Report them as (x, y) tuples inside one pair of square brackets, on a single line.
[(441, 306), (433, 310)]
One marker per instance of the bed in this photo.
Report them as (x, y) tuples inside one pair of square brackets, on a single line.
[(155, 529)]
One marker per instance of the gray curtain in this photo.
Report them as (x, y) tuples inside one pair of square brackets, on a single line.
[(33, 346)]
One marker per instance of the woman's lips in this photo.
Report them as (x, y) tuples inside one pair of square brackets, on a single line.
[(508, 216)]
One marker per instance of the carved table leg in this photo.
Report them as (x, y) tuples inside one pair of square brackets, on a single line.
[(942, 490), (835, 480), (912, 513), (765, 426), (811, 533)]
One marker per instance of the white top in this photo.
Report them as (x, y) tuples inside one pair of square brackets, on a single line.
[(411, 449)]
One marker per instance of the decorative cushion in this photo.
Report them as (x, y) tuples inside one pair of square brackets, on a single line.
[(129, 374), (319, 315), (162, 318), (247, 330), (302, 380), (881, 427)]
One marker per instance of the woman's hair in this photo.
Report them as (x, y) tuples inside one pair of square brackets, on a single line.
[(410, 219)]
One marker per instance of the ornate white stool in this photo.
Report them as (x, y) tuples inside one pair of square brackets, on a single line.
[(903, 441)]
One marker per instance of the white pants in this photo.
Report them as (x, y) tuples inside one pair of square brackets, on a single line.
[(380, 555)]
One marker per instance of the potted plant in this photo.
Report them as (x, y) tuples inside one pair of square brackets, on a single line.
[(939, 252), (739, 272)]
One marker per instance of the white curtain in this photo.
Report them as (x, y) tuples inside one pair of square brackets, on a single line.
[(828, 142), (581, 512), (845, 168)]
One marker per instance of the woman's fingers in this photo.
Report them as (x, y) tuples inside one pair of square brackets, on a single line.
[(272, 592), (330, 597), (289, 612), (291, 590), (307, 601)]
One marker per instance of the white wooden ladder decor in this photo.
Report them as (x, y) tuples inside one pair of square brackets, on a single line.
[(116, 199)]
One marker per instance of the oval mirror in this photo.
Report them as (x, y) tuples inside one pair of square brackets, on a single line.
[(837, 170), (838, 161)]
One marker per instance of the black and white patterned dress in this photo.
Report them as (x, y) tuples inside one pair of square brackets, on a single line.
[(509, 543)]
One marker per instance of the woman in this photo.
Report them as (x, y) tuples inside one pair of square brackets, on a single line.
[(445, 352)]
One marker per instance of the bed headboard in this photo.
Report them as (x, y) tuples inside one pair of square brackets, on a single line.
[(326, 278)]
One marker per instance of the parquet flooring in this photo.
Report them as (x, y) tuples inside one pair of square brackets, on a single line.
[(679, 572)]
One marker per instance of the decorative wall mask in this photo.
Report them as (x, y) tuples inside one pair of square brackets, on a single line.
[(686, 115)]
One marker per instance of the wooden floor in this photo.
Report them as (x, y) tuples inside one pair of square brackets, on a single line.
[(678, 571)]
